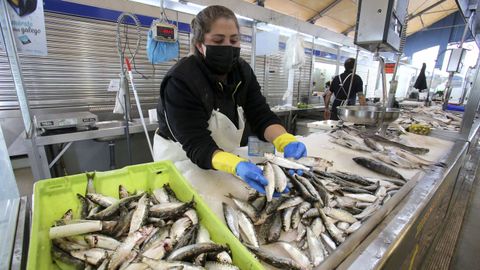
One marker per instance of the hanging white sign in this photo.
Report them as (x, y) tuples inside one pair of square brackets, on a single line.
[(28, 25)]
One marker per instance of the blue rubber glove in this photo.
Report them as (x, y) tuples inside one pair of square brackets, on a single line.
[(295, 150), (252, 174)]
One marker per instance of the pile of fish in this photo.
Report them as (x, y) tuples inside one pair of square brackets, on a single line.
[(383, 152), (432, 116), (137, 231), (309, 222)]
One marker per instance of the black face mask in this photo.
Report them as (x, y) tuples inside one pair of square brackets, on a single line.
[(221, 59)]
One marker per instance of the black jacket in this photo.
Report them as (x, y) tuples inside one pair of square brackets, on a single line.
[(188, 94), (357, 86)]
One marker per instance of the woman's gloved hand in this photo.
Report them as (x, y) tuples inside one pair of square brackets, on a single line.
[(233, 164), (291, 148)]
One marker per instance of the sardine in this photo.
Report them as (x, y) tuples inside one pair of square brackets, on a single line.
[(231, 218), (259, 203), (122, 192), (113, 208), (343, 225), (304, 207), (285, 163), (373, 144), (331, 228), (315, 162), (188, 238), (296, 218), (369, 210), (84, 206), (416, 159), (124, 249), (247, 230), (287, 218), (378, 167), (161, 195), (192, 251), (396, 161), (329, 243), (179, 227), (90, 186), (355, 226), (101, 241), (220, 266), (361, 197), (170, 210), (272, 259), (269, 175), (281, 179), (296, 254), (301, 232), (276, 228), (317, 227), (245, 207), (294, 201), (137, 266), (92, 256), (132, 256), (339, 214), (60, 255), (315, 247), (192, 215), (159, 249), (66, 245), (170, 265), (387, 142), (140, 214), (100, 199)]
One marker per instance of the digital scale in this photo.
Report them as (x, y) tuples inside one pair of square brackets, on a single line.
[(164, 32), (65, 122)]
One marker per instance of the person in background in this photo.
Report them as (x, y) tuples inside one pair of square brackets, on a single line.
[(206, 98), (326, 92), (340, 87)]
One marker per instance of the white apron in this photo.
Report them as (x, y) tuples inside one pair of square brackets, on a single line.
[(223, 131)]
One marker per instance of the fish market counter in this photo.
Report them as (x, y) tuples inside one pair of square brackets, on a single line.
[(388, 236)]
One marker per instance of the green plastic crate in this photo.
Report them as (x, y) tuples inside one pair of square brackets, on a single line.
[(53, 197)]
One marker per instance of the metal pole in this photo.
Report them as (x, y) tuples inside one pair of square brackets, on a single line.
[(254, 45), (312, 69), (15, 67), (337, 68)]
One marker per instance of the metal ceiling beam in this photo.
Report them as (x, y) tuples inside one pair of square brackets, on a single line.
[(412, 16), (323, 11)]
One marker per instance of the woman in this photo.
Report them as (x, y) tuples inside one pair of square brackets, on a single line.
[(206, 98)]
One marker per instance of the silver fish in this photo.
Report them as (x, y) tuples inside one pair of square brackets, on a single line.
[(276, 261), (296, 254), (161, 195), (316, 162), (329, 243), (162, 265), (301, 232), (294, 201), (245, 207), (140, 214), (192, 251), (355, 226), (296, 218), (369, 210), (285, 163), (122, 192), (159, 249), (343, 225), (361, 197), (179, 227), (247, 230), (124, 249), (339, 214), (276, 228), (100, 199), (331, 228), (137, 266), (192, 215), (392, 159), (92, 256), (316, 248), (220, 266), (281, 179), (231, 219), (377, 167), (101, 241), (304, 207), (269, 175), (317, 227), (287, 218)]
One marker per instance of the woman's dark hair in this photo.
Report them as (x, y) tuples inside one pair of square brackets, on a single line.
[(202, 23), (349, 64), (327, 84)]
